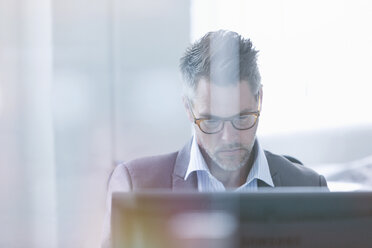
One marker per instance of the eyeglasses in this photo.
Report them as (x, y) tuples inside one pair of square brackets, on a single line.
[(240, 122)]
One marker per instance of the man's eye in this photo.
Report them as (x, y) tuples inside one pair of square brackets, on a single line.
[(212, 122), (244, 117)]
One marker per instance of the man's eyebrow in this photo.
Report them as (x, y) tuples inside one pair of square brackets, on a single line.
[(210, 116)]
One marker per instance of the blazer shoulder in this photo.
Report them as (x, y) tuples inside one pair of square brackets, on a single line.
[(293, 174), (152, 171)]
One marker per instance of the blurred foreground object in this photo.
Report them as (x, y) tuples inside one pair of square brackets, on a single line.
[(295, 217)]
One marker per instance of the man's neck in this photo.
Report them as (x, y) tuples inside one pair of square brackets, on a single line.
[(230, 179)]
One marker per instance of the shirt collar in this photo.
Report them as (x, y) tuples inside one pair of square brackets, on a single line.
[(260, 168), (197, 162)]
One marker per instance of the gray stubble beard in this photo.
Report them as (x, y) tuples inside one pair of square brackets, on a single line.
[(228, 168)]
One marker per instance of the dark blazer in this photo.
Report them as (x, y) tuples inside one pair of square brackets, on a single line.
[(168, 172)]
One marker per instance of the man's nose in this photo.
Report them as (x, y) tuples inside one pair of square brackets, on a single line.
[(229, 133)]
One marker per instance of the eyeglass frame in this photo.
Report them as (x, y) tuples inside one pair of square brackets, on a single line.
[(197, 121)]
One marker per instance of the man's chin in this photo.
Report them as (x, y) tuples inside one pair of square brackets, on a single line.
[(230, 165)]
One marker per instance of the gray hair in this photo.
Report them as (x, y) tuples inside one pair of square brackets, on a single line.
[(222, 57)]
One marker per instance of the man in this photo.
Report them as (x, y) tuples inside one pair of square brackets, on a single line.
[(222, 98)]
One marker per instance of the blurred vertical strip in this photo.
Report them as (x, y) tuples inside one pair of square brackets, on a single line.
[(149, 39), (27, 163), (82, 108)]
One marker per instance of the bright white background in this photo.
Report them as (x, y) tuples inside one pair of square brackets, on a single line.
[(315, 57)]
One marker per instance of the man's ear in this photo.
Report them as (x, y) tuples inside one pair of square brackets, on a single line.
[(186, 106), (261, 95)]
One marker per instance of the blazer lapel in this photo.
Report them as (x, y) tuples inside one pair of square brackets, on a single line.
[(179, 184), (274, 172), (179, 172), (276, 181)]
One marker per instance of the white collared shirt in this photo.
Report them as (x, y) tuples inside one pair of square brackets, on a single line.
[(208, 183)]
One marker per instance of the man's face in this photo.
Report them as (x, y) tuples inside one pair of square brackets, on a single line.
[(230, 148)]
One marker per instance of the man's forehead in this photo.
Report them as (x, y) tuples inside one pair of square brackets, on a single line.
[(223, 100), (206, 89)]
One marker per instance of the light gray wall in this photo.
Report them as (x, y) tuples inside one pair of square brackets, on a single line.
[(27, 169), (116, 87), (81, 110), (149, 39)]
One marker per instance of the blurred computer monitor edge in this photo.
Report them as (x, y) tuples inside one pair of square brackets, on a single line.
[(284, 217)]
